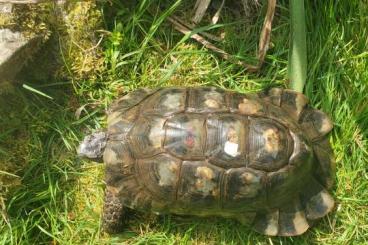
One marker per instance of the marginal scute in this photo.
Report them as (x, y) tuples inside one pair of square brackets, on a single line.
[(234, 100), (292, 220), (316, 200), (273, 96), (319, 205), (267, 223), (250, 107), (293, 224), (326, 167), (131, 99), (288, 220), (290, 101), (316, 124), (293, 102)]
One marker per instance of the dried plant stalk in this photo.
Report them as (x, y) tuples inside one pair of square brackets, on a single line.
[(265, 37), (183, 29), (191, 26), (200, 10), (24, 1)]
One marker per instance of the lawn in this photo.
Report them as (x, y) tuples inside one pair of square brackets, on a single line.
[(49, 196)]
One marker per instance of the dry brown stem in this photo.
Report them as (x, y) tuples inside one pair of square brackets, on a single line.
[(24, 1), (200, 10), (183, 29), (265, 37), (203, 33)]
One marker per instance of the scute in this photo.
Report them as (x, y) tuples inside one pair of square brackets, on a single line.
[(131, 99), (160, 175), (199, 185), (185, 136), (244, 189), (226, 140), (268, 145), (316, 124), (147, 136), (246, 104), (120, 123), (207, 100), (166, 102)]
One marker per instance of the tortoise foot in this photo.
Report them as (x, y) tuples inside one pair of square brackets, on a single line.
[(113, 213)]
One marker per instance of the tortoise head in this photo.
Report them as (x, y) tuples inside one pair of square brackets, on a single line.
[(93, 146)]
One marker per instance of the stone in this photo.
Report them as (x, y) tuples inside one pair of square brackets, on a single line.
[(15, 50)]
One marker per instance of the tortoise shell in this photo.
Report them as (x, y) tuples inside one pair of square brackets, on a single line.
[(263, 159)]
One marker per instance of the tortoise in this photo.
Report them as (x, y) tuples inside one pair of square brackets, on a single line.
[(263, 159)]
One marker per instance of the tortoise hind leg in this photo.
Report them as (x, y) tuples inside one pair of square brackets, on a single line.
[(113, 212)]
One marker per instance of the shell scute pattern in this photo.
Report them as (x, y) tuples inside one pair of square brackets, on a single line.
[(225, 146), (185, 136), (206, 151), (165, 102)]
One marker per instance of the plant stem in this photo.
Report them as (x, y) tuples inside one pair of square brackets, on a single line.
[(297, 68)]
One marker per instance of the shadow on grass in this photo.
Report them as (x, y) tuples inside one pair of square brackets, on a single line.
[(37, 139), (172, 229)]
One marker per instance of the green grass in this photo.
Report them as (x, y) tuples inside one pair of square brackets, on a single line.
[(55, 198)]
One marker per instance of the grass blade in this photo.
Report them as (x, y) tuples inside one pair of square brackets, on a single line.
[(36, 91)]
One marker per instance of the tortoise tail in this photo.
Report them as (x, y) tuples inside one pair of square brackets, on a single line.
[(295, 218)]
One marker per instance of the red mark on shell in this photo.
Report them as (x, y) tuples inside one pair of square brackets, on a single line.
[(190, 139)]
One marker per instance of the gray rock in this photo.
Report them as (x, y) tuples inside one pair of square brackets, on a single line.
[(6, 8), (15, 51)]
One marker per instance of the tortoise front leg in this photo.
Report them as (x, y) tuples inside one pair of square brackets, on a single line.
[(113, 212)]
